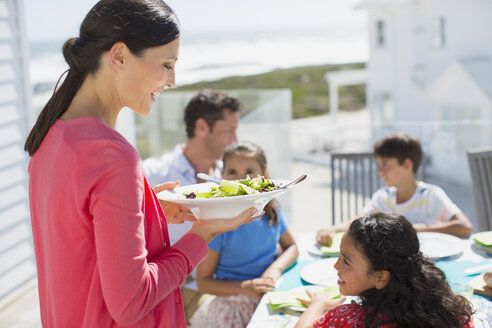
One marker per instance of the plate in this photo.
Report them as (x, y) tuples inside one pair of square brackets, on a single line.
[(221, 207), (440, 246), (321, 273), (328, 251), (483, 238)]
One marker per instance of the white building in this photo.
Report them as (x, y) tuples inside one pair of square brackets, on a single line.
[(430, 75)]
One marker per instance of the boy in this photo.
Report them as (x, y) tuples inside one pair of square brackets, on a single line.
[(426, 206)]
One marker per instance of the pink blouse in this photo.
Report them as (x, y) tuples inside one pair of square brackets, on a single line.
[(100, 236)]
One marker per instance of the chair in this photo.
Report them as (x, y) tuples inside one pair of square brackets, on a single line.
[(354, 178), (480, 163)]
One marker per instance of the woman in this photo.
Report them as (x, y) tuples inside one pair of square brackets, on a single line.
[(100, 237)]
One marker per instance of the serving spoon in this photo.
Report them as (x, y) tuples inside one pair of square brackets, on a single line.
[(206, 177), (293, 182)]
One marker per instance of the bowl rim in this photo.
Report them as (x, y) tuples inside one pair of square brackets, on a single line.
[(172, 196)]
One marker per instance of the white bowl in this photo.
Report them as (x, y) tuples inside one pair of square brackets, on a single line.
[(221, 207)]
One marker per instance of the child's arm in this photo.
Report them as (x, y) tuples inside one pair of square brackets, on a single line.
[(316, 306), (286, 259), (325, 236), (459, 225), (208, 284)]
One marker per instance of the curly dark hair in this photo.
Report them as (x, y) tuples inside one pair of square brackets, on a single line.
[(417, 294)]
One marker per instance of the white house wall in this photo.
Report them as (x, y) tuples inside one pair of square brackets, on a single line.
[(410, 64)]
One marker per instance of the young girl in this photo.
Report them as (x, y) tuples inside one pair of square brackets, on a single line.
[(243, 264), (380, 261)]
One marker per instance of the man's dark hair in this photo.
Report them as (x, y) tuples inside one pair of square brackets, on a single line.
[(400, 146), (211, 106)]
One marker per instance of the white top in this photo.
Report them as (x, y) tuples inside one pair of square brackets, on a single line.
[(429, 204), (174, 167)]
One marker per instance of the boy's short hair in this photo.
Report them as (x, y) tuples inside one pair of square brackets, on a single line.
[(400, 146), (209, 105)]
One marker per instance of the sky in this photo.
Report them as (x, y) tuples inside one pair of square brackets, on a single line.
[(55, 19)]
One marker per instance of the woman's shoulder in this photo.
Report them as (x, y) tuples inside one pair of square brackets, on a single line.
[(91, 134)]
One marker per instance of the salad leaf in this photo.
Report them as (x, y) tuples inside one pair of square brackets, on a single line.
[(229, 188)]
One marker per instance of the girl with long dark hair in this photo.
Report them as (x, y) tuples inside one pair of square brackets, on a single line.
[(380, 261)]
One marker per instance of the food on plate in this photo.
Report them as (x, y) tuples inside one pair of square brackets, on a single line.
[(229, 188)]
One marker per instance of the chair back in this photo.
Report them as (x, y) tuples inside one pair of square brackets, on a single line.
[(354, 178), (480, 163)]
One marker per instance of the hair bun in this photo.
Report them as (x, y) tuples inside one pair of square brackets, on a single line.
[(70, 54)]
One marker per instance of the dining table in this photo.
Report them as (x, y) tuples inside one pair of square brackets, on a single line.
[(454, 259)]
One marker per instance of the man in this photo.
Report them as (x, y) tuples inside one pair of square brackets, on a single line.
[(211, 119)]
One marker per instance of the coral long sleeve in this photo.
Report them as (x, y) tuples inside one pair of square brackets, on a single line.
[(100, 236)]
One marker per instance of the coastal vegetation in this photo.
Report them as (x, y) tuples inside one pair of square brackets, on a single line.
[(310, 95)]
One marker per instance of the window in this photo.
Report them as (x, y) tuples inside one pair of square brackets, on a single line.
[(380, 34), (439, 33)]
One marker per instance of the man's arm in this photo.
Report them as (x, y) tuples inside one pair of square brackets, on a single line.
[(459, 225)]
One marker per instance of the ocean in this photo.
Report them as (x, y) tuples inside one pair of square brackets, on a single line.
[(211, 56)]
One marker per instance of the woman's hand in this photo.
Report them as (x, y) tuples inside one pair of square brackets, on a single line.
[(210, 228), (257, 287), (325, 236), (175, 213)]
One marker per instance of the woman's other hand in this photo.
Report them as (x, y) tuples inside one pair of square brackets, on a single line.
[(210, 228), (175, 213)]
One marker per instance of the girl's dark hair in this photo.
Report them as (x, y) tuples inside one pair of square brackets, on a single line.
[(252, 150), (140, 24), (417, 294)]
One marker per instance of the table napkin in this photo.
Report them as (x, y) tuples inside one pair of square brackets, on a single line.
[(484, 238), (278, 300), (334, 248)]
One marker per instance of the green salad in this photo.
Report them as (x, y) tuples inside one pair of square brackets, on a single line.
[(228, 188)]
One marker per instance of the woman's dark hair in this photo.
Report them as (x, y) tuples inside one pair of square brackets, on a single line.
[(252, 150), (417, 294), (140, 24)]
